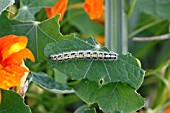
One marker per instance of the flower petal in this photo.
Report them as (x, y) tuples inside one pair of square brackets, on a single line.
[(10, 76), (100, 39), (12, 52), (59, 8), (94, 8), (12, 44), (167, 110), (16, 58)]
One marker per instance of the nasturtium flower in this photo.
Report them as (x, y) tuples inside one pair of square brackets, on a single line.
[(100, 39), (12, 52), (59, 8), (94, 8), (167, 110)]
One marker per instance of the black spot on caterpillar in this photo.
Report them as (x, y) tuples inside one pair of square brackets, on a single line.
[(84, 54)]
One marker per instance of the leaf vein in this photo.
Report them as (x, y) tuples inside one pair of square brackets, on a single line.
[(107, 71), (84, 76), (29, 31), (46, 34)]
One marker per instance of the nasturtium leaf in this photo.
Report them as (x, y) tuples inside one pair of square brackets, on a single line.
[(38, 33), (60, 77), (87, 27), (90, 110), (125, 69), (112, 96), (159, 8), (50, 84), (4, 4), (28, 8), (85, 109), (13, 103)]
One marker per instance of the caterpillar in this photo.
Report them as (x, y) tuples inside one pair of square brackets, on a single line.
[(84, 54)]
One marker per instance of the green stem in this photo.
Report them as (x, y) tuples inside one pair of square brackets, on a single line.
[(161, 108), (9, 12), (162, 94), (145, 27), (164, 81), (166, 105), (73, 83), (116, 26), (0, 96), (155, 71), (131, 8), (110, 28)]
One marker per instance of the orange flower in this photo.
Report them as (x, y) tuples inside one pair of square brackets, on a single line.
[(94, 8), (12, 52), (59, 8), (167, 110), (100, 39)]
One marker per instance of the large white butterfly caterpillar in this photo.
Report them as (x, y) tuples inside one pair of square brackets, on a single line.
[(84, 54)]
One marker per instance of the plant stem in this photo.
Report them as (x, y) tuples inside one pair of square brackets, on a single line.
[(162, 92), (76, 6), (110, 27), (0, 96), (145, 27), (116, 26), (131, 8), (155, 71), (153, 38)]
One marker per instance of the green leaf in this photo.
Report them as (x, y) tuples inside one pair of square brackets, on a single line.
[(12, 103), (60, 77), (113, 96), (28, 8), (4, 4), (87, 27), (85, 109), (38, 33), (90, 110), (49, 84), (125, 69), (159, 8)]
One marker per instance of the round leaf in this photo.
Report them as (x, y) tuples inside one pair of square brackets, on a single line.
[(125, 69)]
